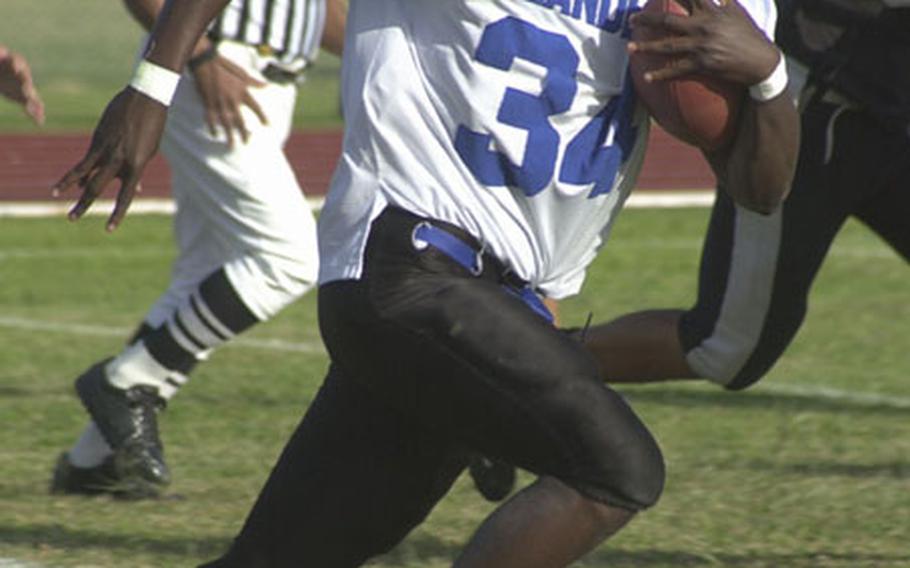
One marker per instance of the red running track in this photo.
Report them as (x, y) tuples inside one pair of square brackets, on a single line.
[(31, 164)]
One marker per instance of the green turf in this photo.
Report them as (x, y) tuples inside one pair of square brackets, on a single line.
[(82, 51), (765, 478)]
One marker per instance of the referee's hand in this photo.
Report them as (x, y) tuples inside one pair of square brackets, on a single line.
[(125, 139), (224, 89)]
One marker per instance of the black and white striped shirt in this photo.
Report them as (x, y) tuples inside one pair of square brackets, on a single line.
[(290, 29)]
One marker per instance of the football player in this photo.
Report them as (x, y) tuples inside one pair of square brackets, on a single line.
[(854, 162), (488, 147), (757, 270)]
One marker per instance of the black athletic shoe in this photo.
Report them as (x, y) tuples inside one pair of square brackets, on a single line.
[(128, 420), (102, 479), (493, 479)]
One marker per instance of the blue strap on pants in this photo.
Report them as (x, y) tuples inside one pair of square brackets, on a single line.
[(427, 234)]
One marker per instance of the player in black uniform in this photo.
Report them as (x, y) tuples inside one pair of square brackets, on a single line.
[(756, 270)]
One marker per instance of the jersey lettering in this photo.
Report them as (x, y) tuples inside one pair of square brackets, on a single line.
[(500, 44), (608, 15), (594, 155), (597, 152)]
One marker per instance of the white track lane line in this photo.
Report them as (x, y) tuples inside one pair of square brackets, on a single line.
[(25, 209), (675, 198), (814, 392)]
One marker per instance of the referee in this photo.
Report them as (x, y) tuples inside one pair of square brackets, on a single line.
[(757, 270), (246, 237)]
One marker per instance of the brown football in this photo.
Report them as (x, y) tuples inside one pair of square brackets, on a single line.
[(701, 111)]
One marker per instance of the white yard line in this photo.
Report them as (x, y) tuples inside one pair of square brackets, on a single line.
[(872, 252), (13, 563), (814, 392), (26, 253), (817, 392), (25, 324)]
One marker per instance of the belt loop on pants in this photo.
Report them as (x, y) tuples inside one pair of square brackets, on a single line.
[(426, 234)]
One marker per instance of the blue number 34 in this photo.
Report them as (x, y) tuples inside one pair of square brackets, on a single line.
[(588, 157)]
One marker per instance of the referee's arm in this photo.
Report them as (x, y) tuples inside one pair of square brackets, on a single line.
[(177, 30), (146, 12), (335, 20)]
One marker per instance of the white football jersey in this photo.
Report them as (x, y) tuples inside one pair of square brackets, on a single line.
[(513, 119)]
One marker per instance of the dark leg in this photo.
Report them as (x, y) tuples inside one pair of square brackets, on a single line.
[(757, 271), (888, 212), (352, 481), (546, 525)]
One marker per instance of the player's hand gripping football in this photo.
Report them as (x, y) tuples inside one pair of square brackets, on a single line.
[(716, 39), (225, 89), (124, 141)]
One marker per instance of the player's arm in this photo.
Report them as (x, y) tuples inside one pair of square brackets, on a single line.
[(146, 12), (757, 167), (223, 86), (129, 130), (16, 84), (335, 20), (177, 30), (722, 41)]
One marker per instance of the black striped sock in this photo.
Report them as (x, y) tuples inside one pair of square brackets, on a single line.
[(213, 314), (141, 332)]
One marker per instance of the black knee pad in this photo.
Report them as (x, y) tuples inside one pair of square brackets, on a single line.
[(638, 482), (615, 458)]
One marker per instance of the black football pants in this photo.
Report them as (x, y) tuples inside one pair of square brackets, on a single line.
[(756, 271), (429, 365)]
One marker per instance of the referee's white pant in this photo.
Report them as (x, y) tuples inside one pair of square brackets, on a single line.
[(240, 208)]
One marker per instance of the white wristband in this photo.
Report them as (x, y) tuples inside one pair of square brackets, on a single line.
[(773, 85), (155, 81)]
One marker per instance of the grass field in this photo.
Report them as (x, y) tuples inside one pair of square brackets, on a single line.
[(81, 53), (812, 468)]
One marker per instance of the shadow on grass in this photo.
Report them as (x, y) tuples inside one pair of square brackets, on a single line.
[(422, 548), (675, 559), (9, 391), (758, 400), (68, 538)]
